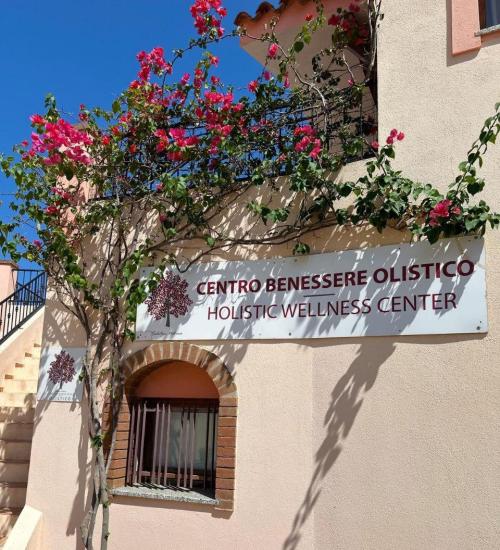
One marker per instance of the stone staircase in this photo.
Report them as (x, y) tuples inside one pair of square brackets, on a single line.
[(17, 406)]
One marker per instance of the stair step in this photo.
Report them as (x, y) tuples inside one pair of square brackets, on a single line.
[(19, 431), (8, 516), (12, 449), (11, 385), (28, 363), (22, 374), (12, 494), (18, 399), (14, 471), (17, 414)]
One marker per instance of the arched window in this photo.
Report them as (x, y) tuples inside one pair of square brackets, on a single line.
[(176, 432), (173, 430)]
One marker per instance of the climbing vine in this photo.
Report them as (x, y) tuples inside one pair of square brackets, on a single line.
[(187, 159)]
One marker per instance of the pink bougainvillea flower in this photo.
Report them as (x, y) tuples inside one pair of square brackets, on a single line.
[(393, 133), (309, 17), (204, 22), (272, 52), (52, 159), (334, 20), (389, 140), (253, 85), (441, 210), (106, 140), (316, 150), (350, 82), (346, 25), (375, 145), (304, 130), (37, 119), (401, 136), (266, 75), (456, 210), (177, 133), (51, 210), (37, 243)]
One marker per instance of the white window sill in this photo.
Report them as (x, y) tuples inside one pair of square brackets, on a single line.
[(488, 30), (160, 493)]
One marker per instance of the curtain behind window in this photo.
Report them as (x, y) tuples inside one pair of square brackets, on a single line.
[(492, 13)]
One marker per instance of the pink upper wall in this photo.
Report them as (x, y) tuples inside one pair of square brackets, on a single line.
[(178, 380), (7, 278), (465, 23)]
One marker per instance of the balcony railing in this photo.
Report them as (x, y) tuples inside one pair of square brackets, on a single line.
[(27, 298), (346, 131)]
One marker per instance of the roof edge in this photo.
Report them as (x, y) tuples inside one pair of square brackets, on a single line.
[(264, 8)]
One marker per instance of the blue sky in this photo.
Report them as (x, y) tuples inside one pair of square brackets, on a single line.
[(84, 52)]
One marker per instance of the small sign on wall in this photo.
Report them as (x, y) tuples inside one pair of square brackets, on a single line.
[(59, 377), (404, 289)]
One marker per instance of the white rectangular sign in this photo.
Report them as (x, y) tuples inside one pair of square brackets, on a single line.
[(413, 288), (58, 379)]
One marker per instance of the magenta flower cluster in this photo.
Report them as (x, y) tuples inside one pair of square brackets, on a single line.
[(60, 139)]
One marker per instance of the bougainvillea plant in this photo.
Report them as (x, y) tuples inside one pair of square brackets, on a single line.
[(182, 166), (169, 298), (62, 369)]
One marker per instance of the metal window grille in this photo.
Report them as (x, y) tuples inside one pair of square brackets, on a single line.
[(172, 443)]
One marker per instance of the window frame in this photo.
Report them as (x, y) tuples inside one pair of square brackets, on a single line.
[(154, 416), (484, 24)]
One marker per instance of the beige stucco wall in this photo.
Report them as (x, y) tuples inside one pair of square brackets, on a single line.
[(407, 428), (373, 443)]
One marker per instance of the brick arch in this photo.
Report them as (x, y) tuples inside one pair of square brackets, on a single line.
[(141, 363)]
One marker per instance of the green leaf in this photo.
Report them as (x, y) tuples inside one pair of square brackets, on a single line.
[(475, 186), (300, 249), (68, 172), (298, 46), (471, 224)]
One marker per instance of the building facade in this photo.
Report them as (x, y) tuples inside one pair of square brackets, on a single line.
[(387, 442)]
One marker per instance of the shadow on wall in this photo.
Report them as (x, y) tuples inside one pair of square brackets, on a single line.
[(61, 329), (346, 401), (346, 398)]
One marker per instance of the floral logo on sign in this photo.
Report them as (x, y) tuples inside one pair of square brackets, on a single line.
[(169, 298), (62, 369)]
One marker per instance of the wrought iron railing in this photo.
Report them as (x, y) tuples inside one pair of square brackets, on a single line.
[(27, 298), (346, 131)]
